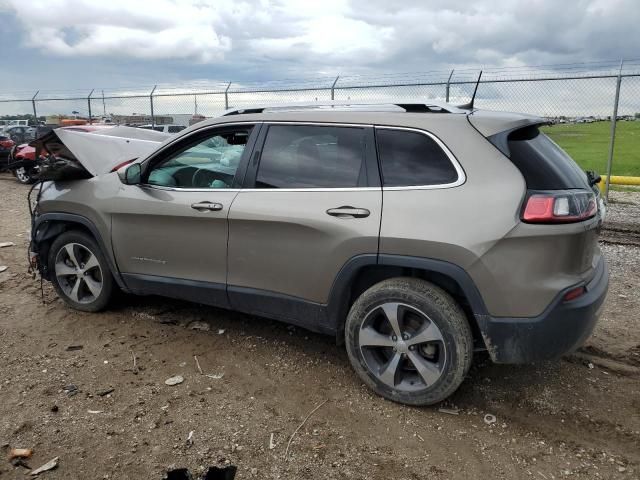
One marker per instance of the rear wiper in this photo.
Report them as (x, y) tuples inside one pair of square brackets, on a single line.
[(593, 177)]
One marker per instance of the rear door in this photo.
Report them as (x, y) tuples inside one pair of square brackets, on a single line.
[(312, 201), (170, 233)]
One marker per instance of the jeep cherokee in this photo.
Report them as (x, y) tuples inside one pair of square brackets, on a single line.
[(414, 233)]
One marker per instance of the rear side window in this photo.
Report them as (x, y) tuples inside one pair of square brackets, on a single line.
[(301, 156), (543, 164), (412, 158)]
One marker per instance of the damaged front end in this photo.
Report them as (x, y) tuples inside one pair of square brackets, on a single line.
[(73, 155), (70, 154)]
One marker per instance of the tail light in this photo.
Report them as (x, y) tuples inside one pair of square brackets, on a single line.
[(563, 206)]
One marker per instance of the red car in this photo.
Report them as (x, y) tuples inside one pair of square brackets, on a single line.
[(22, 158), (6, 144)]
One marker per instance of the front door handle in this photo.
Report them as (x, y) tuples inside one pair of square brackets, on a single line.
[(207, 206), (348, 212)]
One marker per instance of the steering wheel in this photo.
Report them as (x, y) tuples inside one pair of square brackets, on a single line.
[(203, 178)]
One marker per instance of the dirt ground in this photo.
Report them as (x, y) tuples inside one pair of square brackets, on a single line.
[(578, 417)]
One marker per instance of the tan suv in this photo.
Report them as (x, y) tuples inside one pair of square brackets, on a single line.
[(414, 233)]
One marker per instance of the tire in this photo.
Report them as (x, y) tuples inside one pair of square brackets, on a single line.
[(24, 175), (430, 362), (84, 282)]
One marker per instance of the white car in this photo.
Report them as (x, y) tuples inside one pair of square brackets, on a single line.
[(164, 128)]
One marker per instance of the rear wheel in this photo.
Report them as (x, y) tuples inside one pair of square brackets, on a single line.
[(79, 272), (409, 341)]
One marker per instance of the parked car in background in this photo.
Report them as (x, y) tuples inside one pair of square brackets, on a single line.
[(22, 163), (6, 144), (22, 158), (6, 123), (414, 233), (164, 128), (19, 133)]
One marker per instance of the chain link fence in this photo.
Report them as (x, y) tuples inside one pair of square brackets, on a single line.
[(572, 94)]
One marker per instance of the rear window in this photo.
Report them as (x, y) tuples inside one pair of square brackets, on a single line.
[(543, 164), (412, 158)]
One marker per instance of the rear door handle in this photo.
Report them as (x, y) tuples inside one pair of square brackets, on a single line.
[(207, 206), (348, 212)]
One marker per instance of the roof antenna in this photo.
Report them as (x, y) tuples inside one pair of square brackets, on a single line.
[(469, 106)]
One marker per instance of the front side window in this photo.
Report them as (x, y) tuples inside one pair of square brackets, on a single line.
[(211, 163), (303, 156), (410, 158)]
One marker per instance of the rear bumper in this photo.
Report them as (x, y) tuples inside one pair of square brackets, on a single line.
[(561, 328)]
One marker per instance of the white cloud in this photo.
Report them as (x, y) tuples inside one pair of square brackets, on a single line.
[(333, 35), (147, 29)]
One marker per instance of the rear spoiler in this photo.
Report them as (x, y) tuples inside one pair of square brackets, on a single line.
[(496, 126)]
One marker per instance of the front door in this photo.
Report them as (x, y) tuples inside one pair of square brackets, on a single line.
[(170, 233), (312, 202)]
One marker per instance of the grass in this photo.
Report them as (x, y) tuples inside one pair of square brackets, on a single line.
[(588, 145)]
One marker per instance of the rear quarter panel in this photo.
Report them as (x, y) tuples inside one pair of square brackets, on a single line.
[(518, 268), (459, 224)]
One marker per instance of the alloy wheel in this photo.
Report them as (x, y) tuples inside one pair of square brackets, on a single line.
[(78, 272), (22, 175), (402, 347)]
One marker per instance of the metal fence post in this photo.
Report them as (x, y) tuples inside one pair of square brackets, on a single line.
[(333, 87), (89, 105), (153, 119), (614, 118), (448, 86), (33, 104), (226, 96)]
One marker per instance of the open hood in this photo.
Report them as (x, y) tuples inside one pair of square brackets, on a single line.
[(100, 150)]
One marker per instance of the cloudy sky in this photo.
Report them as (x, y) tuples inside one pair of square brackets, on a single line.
[(82, 44)]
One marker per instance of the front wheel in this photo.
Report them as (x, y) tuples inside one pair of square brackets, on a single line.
[(24, 175), (409, 341), (79, 272)]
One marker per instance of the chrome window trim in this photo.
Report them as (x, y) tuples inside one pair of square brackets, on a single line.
[(315, 189), (177, 189), (462, 178)]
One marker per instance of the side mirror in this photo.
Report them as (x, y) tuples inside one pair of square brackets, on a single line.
[(131, 175)]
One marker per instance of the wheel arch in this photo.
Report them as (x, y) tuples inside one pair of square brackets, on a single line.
[(363, 271), (48, 226)]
